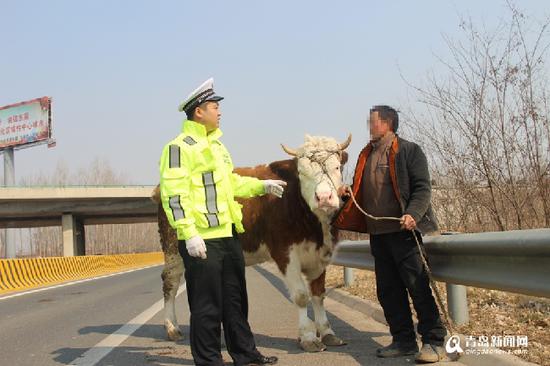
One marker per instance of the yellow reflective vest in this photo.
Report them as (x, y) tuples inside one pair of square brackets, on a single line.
[(198, 186)]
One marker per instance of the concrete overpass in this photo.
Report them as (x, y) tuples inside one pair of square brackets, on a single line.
[(73, 207)]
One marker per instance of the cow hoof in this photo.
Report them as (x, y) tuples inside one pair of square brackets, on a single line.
[(173, 333), (332, 340), (313, 346)]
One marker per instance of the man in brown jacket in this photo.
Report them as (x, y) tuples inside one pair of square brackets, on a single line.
[(392, 179)]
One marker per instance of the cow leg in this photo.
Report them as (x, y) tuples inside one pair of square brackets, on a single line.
[(328, 337), (171, 277), (299, 294)]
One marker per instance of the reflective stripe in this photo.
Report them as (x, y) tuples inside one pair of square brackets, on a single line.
[(174, 156), (189, 140), (210, 192), (177, 210), (212, 220), (211, 196)]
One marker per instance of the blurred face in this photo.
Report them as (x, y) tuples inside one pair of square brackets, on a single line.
[(209, 115), (377, 126)]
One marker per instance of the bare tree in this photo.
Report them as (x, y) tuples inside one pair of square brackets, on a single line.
[(485, 125)]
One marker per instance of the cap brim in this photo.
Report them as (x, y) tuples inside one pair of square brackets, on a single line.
[(213, 98)]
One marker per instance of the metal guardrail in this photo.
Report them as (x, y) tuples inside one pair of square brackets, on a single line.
[(513, 261)]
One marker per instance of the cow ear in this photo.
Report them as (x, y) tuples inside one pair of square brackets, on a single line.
[(344, 158)]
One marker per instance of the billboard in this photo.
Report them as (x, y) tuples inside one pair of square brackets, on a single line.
[(25, 123)]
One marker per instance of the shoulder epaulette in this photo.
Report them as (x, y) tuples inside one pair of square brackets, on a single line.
[(189, 140)]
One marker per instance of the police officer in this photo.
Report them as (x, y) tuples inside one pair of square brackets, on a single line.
[(198, 190)]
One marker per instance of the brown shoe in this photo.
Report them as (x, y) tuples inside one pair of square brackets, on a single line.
[(431, 353)]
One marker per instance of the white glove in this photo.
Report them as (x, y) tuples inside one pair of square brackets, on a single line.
[(196, 247), (274, 187)]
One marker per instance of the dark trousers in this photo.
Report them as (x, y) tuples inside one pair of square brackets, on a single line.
[(216, 291), (399, 270)]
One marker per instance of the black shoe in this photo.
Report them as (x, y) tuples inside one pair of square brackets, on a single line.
[(396, 349), (263, 360)]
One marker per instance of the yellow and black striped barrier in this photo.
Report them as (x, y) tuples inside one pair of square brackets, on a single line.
[(23, 274)]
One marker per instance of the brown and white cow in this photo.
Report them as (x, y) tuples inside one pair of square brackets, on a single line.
[(293, 231)]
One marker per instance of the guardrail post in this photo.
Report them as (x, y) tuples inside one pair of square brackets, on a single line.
[(348, 276), (457, 303)]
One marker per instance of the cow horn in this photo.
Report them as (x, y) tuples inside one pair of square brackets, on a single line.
[(289, 151), (345, 144)]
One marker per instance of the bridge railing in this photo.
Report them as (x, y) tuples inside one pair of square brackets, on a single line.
[(513, 261)]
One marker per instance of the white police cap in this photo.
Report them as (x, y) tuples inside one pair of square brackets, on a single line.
[(203, 93)]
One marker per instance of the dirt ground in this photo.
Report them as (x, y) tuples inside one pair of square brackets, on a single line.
[(492, 313)]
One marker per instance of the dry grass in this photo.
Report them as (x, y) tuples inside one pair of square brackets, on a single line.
[(491, 312)]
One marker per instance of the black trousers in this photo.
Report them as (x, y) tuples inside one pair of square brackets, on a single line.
[(399, 270), (216, 291)]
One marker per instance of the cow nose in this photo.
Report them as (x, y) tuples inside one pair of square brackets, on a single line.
[(323, 197)]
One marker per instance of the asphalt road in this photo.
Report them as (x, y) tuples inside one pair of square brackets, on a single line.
[(117, 321)]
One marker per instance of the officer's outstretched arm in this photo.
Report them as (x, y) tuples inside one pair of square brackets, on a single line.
[(175, 184), (246, 187)]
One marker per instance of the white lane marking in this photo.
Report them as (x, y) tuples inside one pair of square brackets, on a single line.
[(103, 348), (74, 282)]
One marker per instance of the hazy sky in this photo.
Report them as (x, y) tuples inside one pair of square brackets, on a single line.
[(117, 70)]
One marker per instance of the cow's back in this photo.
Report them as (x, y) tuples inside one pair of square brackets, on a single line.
[(271, 224)]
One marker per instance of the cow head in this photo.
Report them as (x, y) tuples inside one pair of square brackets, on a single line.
[(320, 161)]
